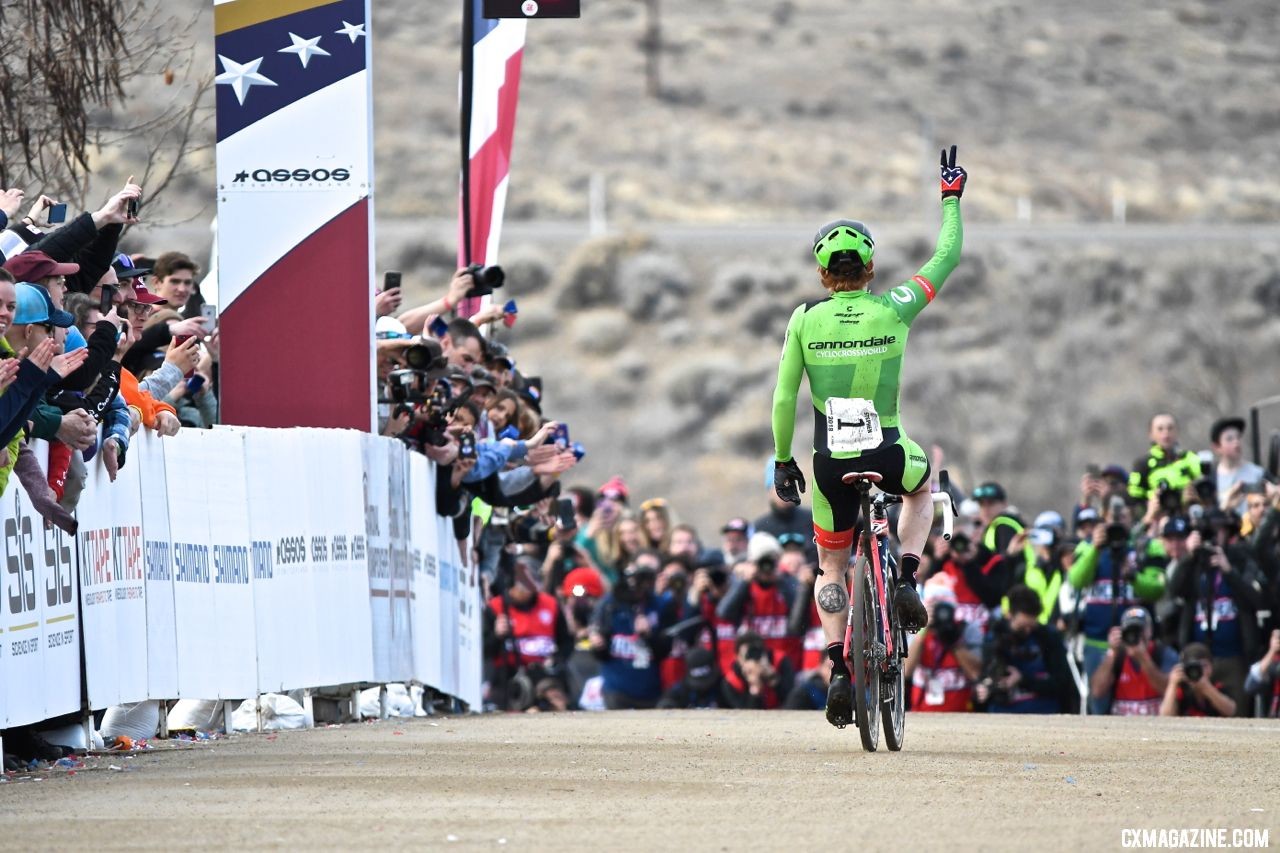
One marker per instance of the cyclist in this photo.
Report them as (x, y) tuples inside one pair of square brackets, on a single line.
[(851, 346)]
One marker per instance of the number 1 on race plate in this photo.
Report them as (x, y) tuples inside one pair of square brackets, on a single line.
[(852, 425)]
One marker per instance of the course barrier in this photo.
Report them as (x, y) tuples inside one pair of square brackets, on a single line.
[(226, 563)]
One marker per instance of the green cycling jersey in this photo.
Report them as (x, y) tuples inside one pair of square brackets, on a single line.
[(851, 345)]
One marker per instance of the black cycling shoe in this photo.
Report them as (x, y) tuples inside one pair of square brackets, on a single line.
[(840, 702), (910, 609)]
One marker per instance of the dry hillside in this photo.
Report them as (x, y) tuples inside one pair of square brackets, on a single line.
[(1049, 347)]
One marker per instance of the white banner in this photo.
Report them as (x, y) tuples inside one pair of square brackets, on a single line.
[(227, 509), (113, 585), (39, 628)]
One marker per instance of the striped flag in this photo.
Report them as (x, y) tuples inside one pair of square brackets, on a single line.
[(294, 168), (491, 54)]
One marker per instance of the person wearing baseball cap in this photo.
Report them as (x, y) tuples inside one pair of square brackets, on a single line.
[(1234, 474), (734, 539), (36, 267)]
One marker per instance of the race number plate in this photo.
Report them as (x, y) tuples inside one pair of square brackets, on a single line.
[(852, 425)]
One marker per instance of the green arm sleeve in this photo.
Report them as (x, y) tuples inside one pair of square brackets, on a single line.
[(1085, 567), (910, 297), (784, 393)]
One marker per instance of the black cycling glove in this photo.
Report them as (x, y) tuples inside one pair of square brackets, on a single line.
[(788, 481), (953, 176)]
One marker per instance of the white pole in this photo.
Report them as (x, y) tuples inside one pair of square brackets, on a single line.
[(1118, 204), (597, 198), (1024, 209)]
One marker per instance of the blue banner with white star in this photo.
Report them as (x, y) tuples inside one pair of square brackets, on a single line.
[(269, 65)]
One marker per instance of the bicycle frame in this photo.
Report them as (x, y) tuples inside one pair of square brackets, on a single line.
[(871, 543)]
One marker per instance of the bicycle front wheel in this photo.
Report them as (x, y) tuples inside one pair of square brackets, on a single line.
[(866, 661), (894, 708)]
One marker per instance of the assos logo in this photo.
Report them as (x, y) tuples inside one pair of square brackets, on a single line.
[(282, 176)]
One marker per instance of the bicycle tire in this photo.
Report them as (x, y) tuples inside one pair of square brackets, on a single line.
[(894, 709), (866, 673)]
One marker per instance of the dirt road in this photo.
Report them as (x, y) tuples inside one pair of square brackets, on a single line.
[(670, 781)]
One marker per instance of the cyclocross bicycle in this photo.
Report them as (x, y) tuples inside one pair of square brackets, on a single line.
[(875, 646)]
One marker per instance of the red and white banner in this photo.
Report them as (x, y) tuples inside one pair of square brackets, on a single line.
[(490, 90), (295, 217)]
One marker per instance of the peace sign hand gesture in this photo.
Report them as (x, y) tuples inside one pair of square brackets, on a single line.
[(953, 176)]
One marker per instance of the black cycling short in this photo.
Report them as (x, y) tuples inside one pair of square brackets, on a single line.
[(903, 469)]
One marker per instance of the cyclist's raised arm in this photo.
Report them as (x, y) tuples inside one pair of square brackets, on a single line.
[(910, 297), (790, 370)]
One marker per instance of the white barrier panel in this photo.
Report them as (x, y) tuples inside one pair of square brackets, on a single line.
[(113, 585), (147, 453), (213, 598), (336, 506), (447, 561), (284, 594), (39, 628), (384, 491), (423, 537), (227, 561), (228, 514)]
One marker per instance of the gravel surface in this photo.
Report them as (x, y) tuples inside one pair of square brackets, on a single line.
[(665, 780)]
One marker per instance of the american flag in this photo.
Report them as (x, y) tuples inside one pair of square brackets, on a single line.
[(294, 165), (492, 52)]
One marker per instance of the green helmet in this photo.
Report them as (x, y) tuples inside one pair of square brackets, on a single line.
[(838, 243)]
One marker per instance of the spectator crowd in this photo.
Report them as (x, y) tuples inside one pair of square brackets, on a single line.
[(1157, 594), (95, 345)]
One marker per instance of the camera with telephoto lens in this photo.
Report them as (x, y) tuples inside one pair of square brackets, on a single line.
[(1117, 536), (427, 355), (960, 543), (997, 654), (487, 279), (1132, 629), (944, 624), (1170, 499), (1193, 670)]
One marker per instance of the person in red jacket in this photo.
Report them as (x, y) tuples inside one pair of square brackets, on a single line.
[(527, 640), (758, 680), (1135, 672), (944, 660), (760, 599)]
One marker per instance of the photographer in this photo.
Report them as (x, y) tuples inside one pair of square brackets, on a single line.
[(628, 635), (1025, 662), (1192, 690), (944, 660), (1107, 575), (758, 680), (1264, 678), (700, 687), (760, 599), (1133, 675), (580, 594), (1220, 577), (527, 639)]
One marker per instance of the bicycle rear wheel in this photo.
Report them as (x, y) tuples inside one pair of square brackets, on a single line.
[(866, 663), (894, 701)]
